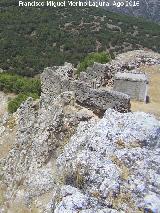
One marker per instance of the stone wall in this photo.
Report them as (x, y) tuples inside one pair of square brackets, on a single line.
[(103, 74), (101, 99), (56, 81), (134, 85)]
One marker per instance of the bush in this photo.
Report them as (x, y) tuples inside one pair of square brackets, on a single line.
[(18, 84), (23, 86), (14, 104), (89, 60)]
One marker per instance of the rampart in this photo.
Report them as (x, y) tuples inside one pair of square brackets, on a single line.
[(55, 81), (103, 74)]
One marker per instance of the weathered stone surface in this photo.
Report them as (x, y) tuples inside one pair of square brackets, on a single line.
[(41, 131), (55, 80), (100, 74), (114, 162), (101, 99), (133, 84), (73, 200), (19, 158), (103, 74), (39, 181), (131, 76)]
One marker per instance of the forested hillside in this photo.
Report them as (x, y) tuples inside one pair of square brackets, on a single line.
[(34, 38), (147, 8)]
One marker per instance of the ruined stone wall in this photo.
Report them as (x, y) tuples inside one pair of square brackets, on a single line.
[(133, 84), (136, 90), (104, 74), (101, 99), (97, 99), (54, 81)]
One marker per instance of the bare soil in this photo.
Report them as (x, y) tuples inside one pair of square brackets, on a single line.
[(153, 106)]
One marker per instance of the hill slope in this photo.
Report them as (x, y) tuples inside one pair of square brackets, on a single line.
[(34, 38), (147, 8)]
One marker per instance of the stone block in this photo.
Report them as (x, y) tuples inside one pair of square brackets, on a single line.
[(101, 99), (133, 84)]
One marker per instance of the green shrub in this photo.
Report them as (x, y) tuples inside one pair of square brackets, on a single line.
[(15, 103), (18, 84), (23, 86), (89, 60)]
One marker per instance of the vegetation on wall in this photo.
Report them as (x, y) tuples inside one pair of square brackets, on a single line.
[(102, 58), (14, 104)]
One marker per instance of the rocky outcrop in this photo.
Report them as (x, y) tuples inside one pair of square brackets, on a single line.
[(19, 158), (42, 129), (111, 164)]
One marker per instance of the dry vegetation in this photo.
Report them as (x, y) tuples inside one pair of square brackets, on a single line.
[(8, 131), (153, 106), (6, 146), (20, 207), (4, 98)]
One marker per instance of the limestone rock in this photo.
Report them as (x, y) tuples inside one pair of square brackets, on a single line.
[(101, 99), (115, 161)]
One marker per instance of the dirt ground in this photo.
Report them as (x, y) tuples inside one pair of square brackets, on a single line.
[(4, 98), (153, 106), (7, 132)]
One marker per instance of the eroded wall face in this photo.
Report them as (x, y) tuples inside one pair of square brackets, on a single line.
[(137, 90), (101, 99)]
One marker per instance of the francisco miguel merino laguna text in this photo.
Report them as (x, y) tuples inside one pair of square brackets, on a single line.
[(99, 3)]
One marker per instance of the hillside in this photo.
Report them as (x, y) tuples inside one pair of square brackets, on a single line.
[(148, 9), (34, 38)]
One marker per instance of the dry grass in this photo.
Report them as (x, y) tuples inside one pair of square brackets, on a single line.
[(124, 171), (4, 149), (6, 144), (2, 192), (124, 198), (11, 123), (120, 144), (4, 101), (153, 107), (19, 207)]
